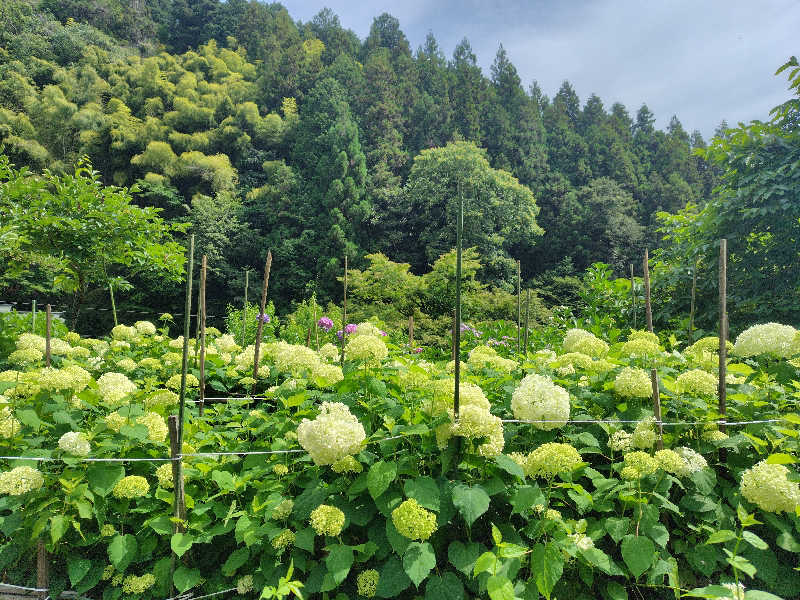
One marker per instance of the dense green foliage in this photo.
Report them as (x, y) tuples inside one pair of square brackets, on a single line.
[(266, 132)]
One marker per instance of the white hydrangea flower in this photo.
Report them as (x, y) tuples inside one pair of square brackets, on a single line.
[(584, 342), (768, 487), (75, 443), (770, 338), (114, 387), (334, 434), (539, 399)]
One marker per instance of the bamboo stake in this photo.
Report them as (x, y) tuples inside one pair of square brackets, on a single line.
[(648, 307), (527, 315), (657, 407), (456, 325), (315, 326), (457, 319), (179, 498), (344, 313), (519, 306), (261, 314), (692, 303), (202, 302), (411, 333), (42, 569), (723, 328), (48, 332), (186, 327), (633, 297), (113, 304), (244, 311), (33, 316)]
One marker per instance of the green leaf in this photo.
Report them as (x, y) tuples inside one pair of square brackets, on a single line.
[(304, 539), (710, 591), (339, 561), (446, 587), (601, 560), (392, 579), (122, 550), (471, 502), (759, 595), (497, 537), (102, 477), (77, 568), (525, 497), (788, 542), (486, 563), (161, 525), (547, 565), (509, 465), (721, 536), (741, 563), (58, 527), (463, 556), (380, 477), (398, 542), (29, 417), (418, 560), (617, 527), (235, 560), (500, 588), (181, 542), (638, 552), (425, 491), (781, 459), (755, 541), (185, 578), (615, 591), (224, 480)]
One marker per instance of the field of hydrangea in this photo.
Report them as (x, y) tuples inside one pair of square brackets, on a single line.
[(356, 480)]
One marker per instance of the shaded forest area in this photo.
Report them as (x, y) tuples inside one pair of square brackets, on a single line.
[(263, 132)]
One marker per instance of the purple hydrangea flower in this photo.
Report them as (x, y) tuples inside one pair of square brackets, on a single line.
[(350, 328), (339, 334), (382, 332), (264, 318), (417, 350), (325, 323)]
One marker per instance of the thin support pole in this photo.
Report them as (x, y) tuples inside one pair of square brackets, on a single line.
[(203, 269), (457, 320), (519, 306), (113, 304), (657, 407), (262, 314), (633, 297), (186, 328), (42, 569), (723, 328), (33, 316), (315, 326), (179, 499), (692, 303), (48, 333), (527, 316), (344, 313), (244, 311), (647, 306), (411, 333)]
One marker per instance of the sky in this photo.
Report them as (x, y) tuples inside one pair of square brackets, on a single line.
[(702, 60)]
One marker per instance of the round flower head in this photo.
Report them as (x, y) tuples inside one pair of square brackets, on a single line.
[(484, 356), (283, 540), (334, 434), (350, 328), (115, 421), (280, 469), (768, 487), (325, 323), (164, 475), (573, 359), (367, 583), (283, 510), (20, 480), (412, 521), (31, 340), (156, 426), (132, 486), (327, 520), (539, 399), (295, 359), (637, 465), (75, 443), (226, 343), (620, 441), (644, 435), (474, 422), (114, 387), (772, 339), (138, 585), (548, 460), (582, 541), (672, 462), (714, 436), (694, 460), (368, 349), (127, 364), (123, 332), (696, 382), (736, 589), (367, 328), (174, 382), (640, 347), (641, 334), (161, 400), (326, 375), (329, 352), (25, 356), (707, 344), (633, 383), (442, 396), (244, 585), (145, 328), (107, 530), (53, 379), (578, 340), (348, 464), (544, 357), (9, 425)]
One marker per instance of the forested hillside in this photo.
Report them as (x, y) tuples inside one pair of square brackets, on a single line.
[(265, 132)]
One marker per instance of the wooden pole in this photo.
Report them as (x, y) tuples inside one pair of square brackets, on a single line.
[(179, 499), (411, 333), (519, 307), (723, 328), (48, 324), (657, 407), (456, 325), (113, 304), (186, 328), (648, 307), (315, 326), (42, 570), (203, 268), (344, 313), (457, 319), (527, 316), (692, 303), (33, 316), (261, 314), (633, 297), (244, 311)]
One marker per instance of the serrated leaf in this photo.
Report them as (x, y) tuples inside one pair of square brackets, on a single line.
[(380, 477), (638, 552), (77, 568), (471, 502), (425, 491), (102, 477), (509, 465), (235, 560), (710, 591), (755, 541), (616, 591), (418, 560), (617, 527), (721, 536), (741, 563), (392, 579), (547, 564), (781, 459), (339, 561), (463, 556), (499, 587), (446, 587), (185, 578), (525, 497), (122, 550), (58, 527), (181, 542), (485, 563)]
